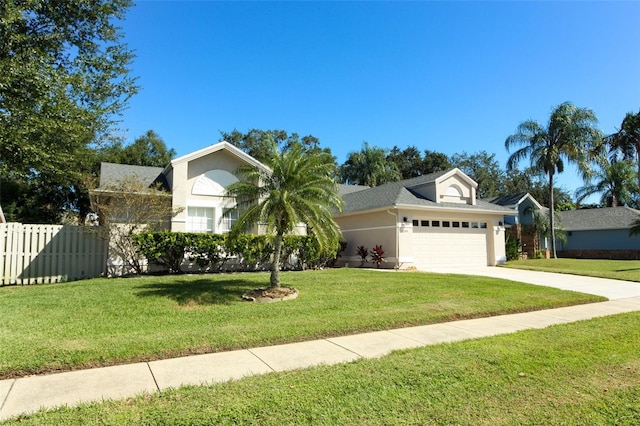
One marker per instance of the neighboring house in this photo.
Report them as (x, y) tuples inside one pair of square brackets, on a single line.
[(2, 219), (429, 221), (599, 233), (524, 204), (522, 225)]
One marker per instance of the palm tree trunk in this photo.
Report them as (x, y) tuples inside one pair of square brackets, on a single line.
[(552, 219), (275, 267), (638, 162)]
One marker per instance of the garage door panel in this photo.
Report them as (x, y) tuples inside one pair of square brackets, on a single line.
[(439, 248)]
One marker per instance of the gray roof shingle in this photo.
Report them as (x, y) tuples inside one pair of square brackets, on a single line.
[(595, 219), (399, 193), (111, 174)]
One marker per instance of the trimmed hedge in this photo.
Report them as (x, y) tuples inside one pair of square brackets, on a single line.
[(219, 252)]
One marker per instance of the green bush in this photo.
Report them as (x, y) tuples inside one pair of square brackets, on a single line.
[(163, 248), (216, 252), (512, 248)]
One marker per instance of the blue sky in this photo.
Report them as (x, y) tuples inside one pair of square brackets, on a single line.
[(444, 76)]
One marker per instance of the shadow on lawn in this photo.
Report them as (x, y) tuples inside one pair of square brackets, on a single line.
[(199, 292), (627, 270)]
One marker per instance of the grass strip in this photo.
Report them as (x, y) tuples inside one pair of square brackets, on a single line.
[(110, 321), (572, 374), (626, 270)]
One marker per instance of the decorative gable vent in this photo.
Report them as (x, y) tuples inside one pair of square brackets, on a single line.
[(213, 183)]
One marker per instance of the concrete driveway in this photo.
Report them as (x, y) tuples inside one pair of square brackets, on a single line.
[(611, 289)]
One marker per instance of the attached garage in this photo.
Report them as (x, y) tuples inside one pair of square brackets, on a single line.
[(449, 247), (427, 222)]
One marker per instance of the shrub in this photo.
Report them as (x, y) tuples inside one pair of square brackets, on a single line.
[(512, 247), (163, 248), (363, 252), (213, 252), (376, 254)]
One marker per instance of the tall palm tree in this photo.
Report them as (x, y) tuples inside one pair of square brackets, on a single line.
[(614, 182), (626, 141), (569, 136), (299, 189)]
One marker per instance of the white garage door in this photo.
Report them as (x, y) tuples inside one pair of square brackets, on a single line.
[(450, 248)]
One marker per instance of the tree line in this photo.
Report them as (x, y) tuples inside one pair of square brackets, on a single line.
[(65, 80)]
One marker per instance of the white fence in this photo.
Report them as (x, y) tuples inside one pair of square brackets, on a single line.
[(34, 254)]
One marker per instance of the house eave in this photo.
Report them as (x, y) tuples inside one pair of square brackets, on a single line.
[(429, 208)]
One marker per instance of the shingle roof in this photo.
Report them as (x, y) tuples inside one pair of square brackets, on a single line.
[(348, 189), (506, 200), (399, 193), (603, 218), (111, 174)]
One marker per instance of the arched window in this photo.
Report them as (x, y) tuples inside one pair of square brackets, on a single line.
[(454, 191), (213, 182)]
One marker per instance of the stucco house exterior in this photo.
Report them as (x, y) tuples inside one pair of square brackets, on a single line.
[(599, 233), (431, 220)]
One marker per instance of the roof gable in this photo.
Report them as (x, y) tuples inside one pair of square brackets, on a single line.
[(514, 200), (232, 149)]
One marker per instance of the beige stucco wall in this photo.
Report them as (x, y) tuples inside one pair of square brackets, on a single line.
[(381, 227), (468, 191), (436, 191), (369, 230), (186, 173)]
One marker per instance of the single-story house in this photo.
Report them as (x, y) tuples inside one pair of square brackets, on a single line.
[(431, 220), (522, 225), (599, 233)]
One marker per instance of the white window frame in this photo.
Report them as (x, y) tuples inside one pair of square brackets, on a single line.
[(196, 221)]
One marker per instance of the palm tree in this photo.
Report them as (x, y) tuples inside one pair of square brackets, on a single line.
[(369, 167), (613, 180), (627, 140), (570, 136), (299, 189)]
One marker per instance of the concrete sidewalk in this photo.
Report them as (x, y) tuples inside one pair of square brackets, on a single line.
[(28, 394)]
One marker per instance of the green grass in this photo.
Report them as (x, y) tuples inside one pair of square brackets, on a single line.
[(584, 373), (109, 321), (627, 270)]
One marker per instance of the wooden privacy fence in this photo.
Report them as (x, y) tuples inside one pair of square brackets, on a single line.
[(34, 254)]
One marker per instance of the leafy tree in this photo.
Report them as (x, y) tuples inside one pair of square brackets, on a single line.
[(147, 150), (614, 181), (435, 162), (517, 181), (63, 79), (626, 142), (299, 188), (483, 168), (569, 136), (635, 229), (125, 209), (257, 143), (408, 161), (369, 167)]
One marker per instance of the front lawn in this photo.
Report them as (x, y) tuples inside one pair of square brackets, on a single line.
[(109, 321), (626, 270), (584, 373)]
